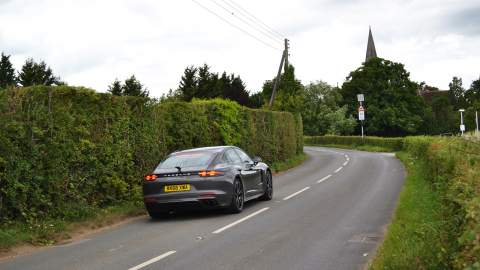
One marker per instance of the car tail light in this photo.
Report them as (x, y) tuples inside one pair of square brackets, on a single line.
[(210, 173), (150, 177)]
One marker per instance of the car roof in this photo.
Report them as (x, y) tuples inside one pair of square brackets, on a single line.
[(215, 149)]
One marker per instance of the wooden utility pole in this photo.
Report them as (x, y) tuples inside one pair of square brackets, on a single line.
[(284, 63), (286, 56)]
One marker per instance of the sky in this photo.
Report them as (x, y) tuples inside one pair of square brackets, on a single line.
[(91, 43)]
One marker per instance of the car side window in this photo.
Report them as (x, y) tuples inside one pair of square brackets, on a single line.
[(232, 157), (243, 156)]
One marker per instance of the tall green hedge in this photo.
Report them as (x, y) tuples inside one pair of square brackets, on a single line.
[(65, 150)]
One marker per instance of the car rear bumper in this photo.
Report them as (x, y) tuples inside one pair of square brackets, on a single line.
[(209, 192), (187, 201)]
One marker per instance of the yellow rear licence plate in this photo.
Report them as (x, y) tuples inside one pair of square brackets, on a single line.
[(175, 188)]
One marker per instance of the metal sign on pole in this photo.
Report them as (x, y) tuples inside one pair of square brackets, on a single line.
[(360, 98), (361, 113), (361, 116)]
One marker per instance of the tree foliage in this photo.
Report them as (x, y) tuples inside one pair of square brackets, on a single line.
[(472, 104), (200, 82), (321, 112), (115, 88), (131, 87), (456, 93), (290, 94), (393, 107), (34, 73), (7, 72)]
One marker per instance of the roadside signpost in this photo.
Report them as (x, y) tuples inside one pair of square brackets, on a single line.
[(361, 110)]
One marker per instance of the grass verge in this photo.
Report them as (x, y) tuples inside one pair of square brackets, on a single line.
[(366, 147), (51, 231), (289, 163), (48, 232), (417, 233)]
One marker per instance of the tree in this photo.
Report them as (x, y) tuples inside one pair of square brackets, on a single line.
[(472, 95), (256, 100), (234, 89), (7, 72), (441, 116), (133, 87), (290, 93), (116, 88), (201, 83), (322, 114), (472, 104), (188, 84), (393, 107), (456, 93), (37, 74)]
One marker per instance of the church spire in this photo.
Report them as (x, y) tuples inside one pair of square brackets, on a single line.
[(371, 52)]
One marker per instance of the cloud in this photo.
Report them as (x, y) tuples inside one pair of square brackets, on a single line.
[(91, 42), (466, 21)]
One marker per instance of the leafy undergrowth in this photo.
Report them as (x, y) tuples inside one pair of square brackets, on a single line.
[(419, 233)]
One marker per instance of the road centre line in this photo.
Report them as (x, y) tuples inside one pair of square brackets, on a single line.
[(153, 260), (240, 220), (295, 194), (345, 163), (324, 178), (337, 170)]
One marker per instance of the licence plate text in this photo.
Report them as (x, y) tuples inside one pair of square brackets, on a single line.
[(175, 188)]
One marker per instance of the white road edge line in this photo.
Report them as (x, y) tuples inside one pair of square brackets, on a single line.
[(240, 220), (337, 170), (153, 260), (324, 178), (345, 163), (295, 194)]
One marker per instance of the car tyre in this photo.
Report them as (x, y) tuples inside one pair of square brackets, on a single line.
[(268, 195), (238, 197)]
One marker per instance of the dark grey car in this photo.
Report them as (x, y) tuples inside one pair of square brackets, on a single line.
[(209, 177)]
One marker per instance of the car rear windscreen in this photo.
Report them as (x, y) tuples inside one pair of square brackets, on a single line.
[(186, 160)]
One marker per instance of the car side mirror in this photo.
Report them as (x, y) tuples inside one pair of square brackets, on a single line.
[(256, 160)]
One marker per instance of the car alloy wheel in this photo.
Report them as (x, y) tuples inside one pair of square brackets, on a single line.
[(267, 196), (237, 197)]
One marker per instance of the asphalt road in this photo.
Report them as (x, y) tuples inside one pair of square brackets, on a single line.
[(328, 213)]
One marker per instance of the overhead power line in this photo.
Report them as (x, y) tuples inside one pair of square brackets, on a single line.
[(249, 21), (235, 26), (273, 31)]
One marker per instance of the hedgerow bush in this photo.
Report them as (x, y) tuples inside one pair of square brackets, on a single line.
[(66, 150), (454, 170), (392, 144)]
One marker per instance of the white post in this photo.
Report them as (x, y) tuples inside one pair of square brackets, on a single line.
[(476, 120), (462, 127)]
